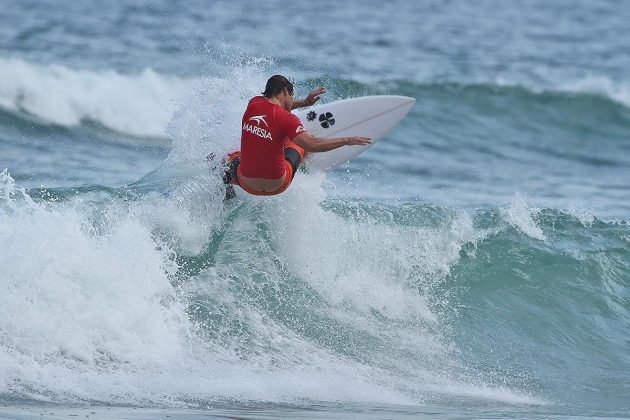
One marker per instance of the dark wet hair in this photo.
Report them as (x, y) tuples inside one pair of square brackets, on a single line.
[(276, 84)]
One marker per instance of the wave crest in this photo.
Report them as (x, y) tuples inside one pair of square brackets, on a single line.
[(138, 104)]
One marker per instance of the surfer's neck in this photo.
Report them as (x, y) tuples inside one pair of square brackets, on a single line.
[(275, 100), (282, 99)]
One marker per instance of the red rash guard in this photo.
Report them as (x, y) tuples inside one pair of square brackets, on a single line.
[(267, 128)]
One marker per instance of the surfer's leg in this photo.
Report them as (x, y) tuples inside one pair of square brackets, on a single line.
[(231, 166), (229, 193), (294, 154), (230, 176)]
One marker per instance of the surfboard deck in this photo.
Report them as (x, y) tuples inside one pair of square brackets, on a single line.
[(368, 116)]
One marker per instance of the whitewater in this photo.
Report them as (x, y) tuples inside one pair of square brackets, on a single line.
[(474, 263)]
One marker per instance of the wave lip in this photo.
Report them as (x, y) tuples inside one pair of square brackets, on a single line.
[(601, 86), (137, 104)]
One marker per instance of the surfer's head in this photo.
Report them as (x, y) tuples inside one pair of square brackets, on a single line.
[(279, 89), (276, 85)]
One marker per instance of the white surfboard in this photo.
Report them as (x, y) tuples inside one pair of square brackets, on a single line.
[(368, 116)]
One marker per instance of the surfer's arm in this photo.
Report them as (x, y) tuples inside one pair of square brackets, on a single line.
[(310, 99), (314, 144)]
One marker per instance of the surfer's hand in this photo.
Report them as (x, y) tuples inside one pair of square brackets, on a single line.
[(358, 141), (314, 96)]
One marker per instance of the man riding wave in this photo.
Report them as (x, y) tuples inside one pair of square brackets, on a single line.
[(274, 141)]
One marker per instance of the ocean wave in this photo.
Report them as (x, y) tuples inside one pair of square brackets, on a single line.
[(522, 217), (139, 104), (601, 86), (584, 89), (401, 303), (144, 103), (234, 301)]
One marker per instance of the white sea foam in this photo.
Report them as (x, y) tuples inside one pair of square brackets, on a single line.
[(585, 216), (73, 301), (138, 104), (209, 120), (602, 86), (88, 309), (522, 217), (615, 90), (145, 103), (364, 264)]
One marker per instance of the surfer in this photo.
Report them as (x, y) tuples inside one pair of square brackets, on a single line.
[(274, 141)]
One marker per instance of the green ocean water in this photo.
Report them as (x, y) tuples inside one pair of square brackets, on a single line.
[(474, 263)]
